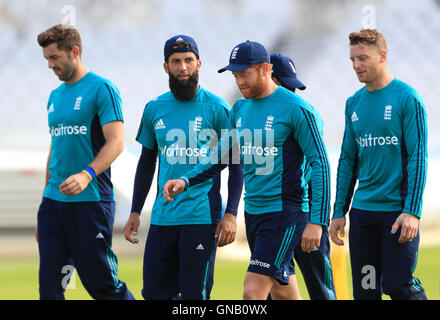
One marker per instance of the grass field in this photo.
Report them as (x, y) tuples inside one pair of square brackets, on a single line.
[(19, 277)]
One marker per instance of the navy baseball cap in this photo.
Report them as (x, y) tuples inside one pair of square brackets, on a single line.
[(246, 54), (172, 45), (284, 70)]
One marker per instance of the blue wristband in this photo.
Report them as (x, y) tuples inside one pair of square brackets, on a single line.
[(185, 179), (91, 172)]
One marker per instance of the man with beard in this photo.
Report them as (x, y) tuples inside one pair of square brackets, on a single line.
[(179, 127), (274, 121), (76, 215)]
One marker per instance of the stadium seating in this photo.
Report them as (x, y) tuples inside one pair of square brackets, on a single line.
[(123, 41)]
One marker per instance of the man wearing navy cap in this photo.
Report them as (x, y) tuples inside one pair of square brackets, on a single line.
[(315, 267), (284, 72), (276, 132), (183, 235)]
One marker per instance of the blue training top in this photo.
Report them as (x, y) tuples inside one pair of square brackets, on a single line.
[(183, 133), (385, 149), (76, 115), (278, 136)]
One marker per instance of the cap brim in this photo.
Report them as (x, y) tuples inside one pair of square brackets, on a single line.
[(292, 83), (235, 67)]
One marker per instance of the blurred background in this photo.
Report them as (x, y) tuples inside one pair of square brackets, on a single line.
[(123, 41)]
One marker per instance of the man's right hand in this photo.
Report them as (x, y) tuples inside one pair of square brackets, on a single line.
[(173, 187), (131, 227)]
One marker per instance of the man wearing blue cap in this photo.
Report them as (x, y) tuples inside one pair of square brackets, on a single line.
[(284, 72), (276, 130), (178, 127), (315, 267)]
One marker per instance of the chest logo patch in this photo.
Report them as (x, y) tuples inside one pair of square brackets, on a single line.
[(77, 103), (387, 114), (159, 125), (198, 124), (354, 117), (269, 123)]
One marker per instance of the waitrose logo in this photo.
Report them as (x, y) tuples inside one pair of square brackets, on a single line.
[(62, 130), (369, 141)]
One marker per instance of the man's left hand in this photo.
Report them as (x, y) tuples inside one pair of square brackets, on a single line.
[(75, 184), (226, 230), (409, 227)]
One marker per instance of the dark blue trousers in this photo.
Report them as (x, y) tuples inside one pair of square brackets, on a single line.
[(379, 263), (78, 234), (317, 270), (179, 262)]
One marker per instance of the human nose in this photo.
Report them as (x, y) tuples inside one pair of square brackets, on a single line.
[(182, 66), (356, 64), (239, 80), (50, 64)]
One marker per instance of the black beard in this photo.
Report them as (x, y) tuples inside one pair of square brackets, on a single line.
[(184, 90)]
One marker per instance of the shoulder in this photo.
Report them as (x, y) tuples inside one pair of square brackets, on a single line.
[(354, 98), (166, 97), (97, 79), (213, 100), (406, 91), (57, 90), (295, 103), (103, 87)]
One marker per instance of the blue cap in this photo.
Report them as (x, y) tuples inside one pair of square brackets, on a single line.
[(246, 54), (170, 46), (284, 70)]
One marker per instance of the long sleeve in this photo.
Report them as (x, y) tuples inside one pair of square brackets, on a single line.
[(308, 134), (235, 188), (143, 178), (415, 142), (224, 153), (347, 168)]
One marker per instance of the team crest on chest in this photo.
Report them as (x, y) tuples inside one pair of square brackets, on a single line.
[(77, 103), (198, 124), (388, 112), (269, 123)]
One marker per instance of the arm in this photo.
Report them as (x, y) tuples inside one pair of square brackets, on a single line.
[(306, 131), (346, 180), (226, 152), (227, 227), (47, 168), (142, 183), (114, 135), (204, 170), (46, 182), (414, 125)]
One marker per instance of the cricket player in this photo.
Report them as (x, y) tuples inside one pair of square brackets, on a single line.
[(76, 215), (315, 266), (384, 149), (276, 130), (179, 128)]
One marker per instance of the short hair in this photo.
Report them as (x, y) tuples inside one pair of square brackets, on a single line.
[(371, 37), (65, 36)]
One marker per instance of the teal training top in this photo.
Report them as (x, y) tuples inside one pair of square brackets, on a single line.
[(277, 136), (183, 133), (76, 114), (384, 149)]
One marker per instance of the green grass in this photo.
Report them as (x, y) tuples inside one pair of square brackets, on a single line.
[(19, 277)]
